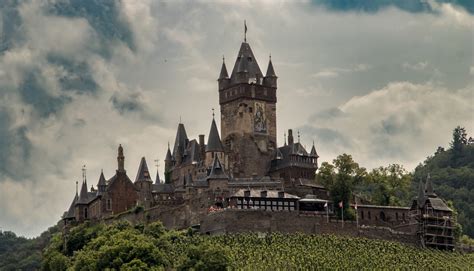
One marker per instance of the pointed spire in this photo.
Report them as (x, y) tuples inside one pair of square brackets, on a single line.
[(101, 184), (217, 171), (180, 141), (214, 143), (168, 154), (224, 74), (421, 195), (157, 164), (313, 152), (143, 174), (284, 138), (83, 197), (429, 187), (270, 70), (245, 63)]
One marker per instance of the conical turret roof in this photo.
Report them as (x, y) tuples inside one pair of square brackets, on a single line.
[(429, 187), (83, 197), (270, 70), (157, 179), (70, 212), (224, 73), (421, 195), (217, 171), (101, 180), (143, 174), (214, 143), (168, 154), (313, 152), (180, 141)]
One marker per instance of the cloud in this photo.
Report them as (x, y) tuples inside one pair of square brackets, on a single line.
[(400, 123), (77, 78)]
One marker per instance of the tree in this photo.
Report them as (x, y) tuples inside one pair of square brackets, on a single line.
[(392, 185), (341, 178), (459, 140)]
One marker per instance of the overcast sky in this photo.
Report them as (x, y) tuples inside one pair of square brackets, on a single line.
[(384, 82)]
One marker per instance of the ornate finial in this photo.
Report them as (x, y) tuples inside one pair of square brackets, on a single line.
[(101, 170), (270, 56), (298, 136), (157, 164), (212, 113), (284, 137), (168, 144), (223, 59), (76, 186), (245, 31)]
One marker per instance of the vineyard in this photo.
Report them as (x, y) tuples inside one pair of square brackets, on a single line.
[(122, 246), (304, 252)]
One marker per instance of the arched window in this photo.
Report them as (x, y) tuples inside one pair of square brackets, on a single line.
[(85, 213)]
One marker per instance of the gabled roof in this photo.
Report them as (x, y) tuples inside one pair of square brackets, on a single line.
[(214, 143), (180, 141), (270, 70), (217, 171), (143, 174), (246, 62)]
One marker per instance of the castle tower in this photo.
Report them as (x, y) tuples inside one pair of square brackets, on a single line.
[(214, 146), (248, 115), (120, 159), (168, 165), (143, 184)]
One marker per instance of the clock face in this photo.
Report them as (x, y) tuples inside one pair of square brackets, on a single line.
[(260, 120)]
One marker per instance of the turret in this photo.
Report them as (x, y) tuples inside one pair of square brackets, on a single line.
[(429, 187), (290, 137), (101, 185), (214, 145), (270, 79), (223, 77), (180, 144), (421, 195), (120, 159)]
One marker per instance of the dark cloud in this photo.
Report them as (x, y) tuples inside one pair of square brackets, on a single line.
[(78, 75), (11, 24), (14, 148), (326, 114), (374, 6), (34, 92), (127, 102)]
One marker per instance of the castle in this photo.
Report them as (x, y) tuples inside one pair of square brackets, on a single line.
[(240, 168)]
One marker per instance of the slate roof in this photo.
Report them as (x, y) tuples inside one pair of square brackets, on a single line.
[(101, 180), (438, 204), (193, 154), (143, 174), (214, 143), (163, 188), (256, 193), (83, 197), (181, 141), (223, 74), (313, 152), (270, 70), (70, 212), (217, 171), (246, 62)]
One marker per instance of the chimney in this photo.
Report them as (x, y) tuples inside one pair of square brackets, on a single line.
[(263, 193), (202, 147), (290, 137), (281, 194)]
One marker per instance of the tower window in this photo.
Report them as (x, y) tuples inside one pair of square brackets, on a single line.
[(109, 204)]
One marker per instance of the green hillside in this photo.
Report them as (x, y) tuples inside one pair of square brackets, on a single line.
[(151, 247), (452, 173)]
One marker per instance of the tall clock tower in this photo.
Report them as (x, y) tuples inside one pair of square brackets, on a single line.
[(248, 115)]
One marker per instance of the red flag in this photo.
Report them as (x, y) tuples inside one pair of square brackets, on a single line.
[(340, 204)]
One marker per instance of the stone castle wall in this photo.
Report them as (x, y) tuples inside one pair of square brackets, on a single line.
[(232, 221)]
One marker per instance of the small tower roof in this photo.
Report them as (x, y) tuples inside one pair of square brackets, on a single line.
[(429, 187), (217, 171), (313, 152), (168, 154), (157, 180), (70, 212), (143, 174), (224, 73), (270, 70), (421, 195), (83, 197), (180, 141), (214, 143), (101, 180)]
